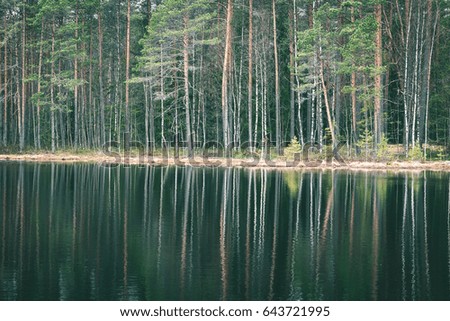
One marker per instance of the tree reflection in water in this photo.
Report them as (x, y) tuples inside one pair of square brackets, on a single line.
[(86, 232)]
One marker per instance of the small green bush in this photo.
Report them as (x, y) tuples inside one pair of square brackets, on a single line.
[(293, 148), (383, 149), (415, 153)]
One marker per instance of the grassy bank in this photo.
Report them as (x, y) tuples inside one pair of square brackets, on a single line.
[(158, 158)]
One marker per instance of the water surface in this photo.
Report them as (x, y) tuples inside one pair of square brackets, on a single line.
[(85, 232)]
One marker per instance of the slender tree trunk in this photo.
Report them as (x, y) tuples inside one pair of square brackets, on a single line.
[(146, 118), (60, 111), (161, 79), (38, 116), (177, 143), (5, 92), (225, 75), (93, 135), (22, 109), (264, 118), (291, 72), (118, 82), (297, 79), (277, 83), (75, 89), (152, 117), (327, 103), (378, 64), (406, 85), (428, 71), (186, 86), (2, 121), (18, 95), (257, 85), (52, 99), (127, 78), (100, 79), (250, 74)]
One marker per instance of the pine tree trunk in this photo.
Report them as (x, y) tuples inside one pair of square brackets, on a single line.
[(22, 109), (428, 71), (5, 92), (52, 99), (277, 84), (186, 86), (297, 79), (127, 78), (406, 85), (38, 116), (225, 74), (250, 74), (327, 104), (75, 90), (378, 64), (100, 79), (291, 73), (161, 78)]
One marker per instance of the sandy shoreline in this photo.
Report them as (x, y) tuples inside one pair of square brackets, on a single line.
[(223, 162)]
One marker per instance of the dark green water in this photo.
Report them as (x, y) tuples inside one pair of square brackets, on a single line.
[(84, 232)]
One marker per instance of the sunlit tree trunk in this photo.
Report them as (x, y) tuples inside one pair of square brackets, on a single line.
[(75, 89), (186, 86), (291, 73), (100, 79), (277, 84), (22, 109), (5, 91), (250, 74), (38, 105), (127, 78), (52, 99), (225, 76), (378, 64)]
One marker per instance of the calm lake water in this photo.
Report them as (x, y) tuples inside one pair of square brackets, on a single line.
[(85, 232)]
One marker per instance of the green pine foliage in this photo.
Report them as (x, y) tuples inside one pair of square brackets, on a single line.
[(335, 42)]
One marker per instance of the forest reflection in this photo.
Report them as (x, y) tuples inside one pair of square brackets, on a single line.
[(85, 232)]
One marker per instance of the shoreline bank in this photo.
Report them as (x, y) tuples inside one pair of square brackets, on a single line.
[(198, 161)]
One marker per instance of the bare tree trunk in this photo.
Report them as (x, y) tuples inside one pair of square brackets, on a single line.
[(75, 90), (22, 111), (161, 78), (277, 83), (264, 119), (327, 104), (177, 143), (100, 79), (291, 72), (225, 75), (428, 71), (250, 74), (238, 97), (297, 79), (2, 121), (92, 134), (405, 86), (52, 100), (127, 78), (186, 86), (257, 85), (38, 116), (5, 97), (18, 93), (378, 64), (117, 76), (146, 120)]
